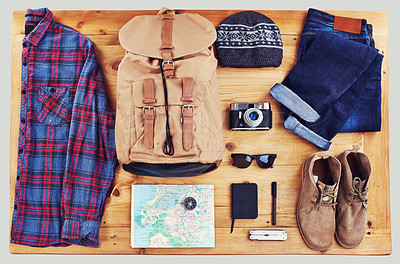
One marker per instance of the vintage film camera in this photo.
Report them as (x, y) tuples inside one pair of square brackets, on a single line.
[(250, 116)]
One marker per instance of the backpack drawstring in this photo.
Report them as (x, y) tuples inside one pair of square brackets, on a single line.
[(168, 147)]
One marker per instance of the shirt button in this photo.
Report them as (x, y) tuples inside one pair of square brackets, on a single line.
[(24, 91), (52, 90), (23, 120), (24, 62), (20, 150), (24, 44), (18, 177), (15, 206)]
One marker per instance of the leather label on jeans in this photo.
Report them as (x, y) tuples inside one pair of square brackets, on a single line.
[(347, 24)]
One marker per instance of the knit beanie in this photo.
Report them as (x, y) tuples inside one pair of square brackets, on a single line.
[(249, 39)]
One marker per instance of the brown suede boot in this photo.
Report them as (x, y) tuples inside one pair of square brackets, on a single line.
[(352, 208), (316, 205)]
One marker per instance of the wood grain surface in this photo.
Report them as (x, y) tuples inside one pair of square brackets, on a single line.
[(236, 85)]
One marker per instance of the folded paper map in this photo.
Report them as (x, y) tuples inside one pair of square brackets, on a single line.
[(172, 216)]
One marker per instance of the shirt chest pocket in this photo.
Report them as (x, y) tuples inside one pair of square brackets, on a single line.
[(52, 106)]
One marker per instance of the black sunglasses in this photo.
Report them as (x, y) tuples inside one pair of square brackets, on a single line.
[(264, 161)]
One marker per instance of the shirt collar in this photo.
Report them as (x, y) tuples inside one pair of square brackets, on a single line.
[(42, 19)]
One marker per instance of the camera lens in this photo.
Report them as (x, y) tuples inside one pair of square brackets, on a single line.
[(253, 117)]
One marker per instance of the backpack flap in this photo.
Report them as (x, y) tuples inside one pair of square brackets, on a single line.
[(191, 33)]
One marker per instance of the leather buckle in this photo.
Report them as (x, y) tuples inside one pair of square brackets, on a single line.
[(148, 107), (168, 62), (188, 106)]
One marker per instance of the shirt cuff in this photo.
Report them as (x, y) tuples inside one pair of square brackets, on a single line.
[(84, 233)]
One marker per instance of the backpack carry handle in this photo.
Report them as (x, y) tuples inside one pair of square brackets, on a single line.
[(165, 10), (166, 45)]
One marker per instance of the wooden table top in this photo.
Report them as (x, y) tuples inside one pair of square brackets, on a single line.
[(236, 85)]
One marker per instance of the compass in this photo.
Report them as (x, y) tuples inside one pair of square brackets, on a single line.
[(189, 203)]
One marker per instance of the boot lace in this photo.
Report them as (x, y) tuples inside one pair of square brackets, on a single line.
[(357, 192), (326, 198)]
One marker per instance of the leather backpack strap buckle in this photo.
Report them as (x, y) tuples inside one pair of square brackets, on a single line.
[(146, 107), (168, 64), (149, 112), (187, 106), (187, 113), (187, 126)]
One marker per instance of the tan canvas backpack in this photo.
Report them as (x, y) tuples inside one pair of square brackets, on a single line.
[(168, 120)]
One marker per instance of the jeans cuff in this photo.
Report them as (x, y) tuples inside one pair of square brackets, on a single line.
[(293, 125), (84, 233), (292, 101)]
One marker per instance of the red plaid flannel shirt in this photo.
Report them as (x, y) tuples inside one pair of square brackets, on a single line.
[(66, 156)]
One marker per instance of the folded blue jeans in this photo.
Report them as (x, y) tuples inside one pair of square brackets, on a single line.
[(335, 85)]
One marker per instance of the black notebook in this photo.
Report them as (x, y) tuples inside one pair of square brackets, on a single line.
[(244, 201)]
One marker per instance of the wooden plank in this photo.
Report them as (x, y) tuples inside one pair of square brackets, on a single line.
[(116, 241), (103, 22), (377, 148), (16, 51), (236, 85)]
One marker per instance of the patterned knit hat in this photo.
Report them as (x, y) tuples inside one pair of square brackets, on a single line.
[(249, 39)]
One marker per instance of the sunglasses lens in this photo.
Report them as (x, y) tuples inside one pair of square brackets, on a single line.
[(265, 161), (241, 160)]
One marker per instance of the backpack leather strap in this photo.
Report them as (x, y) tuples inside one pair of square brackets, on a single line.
[(149, 112), (187, 113), (166, 45)]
